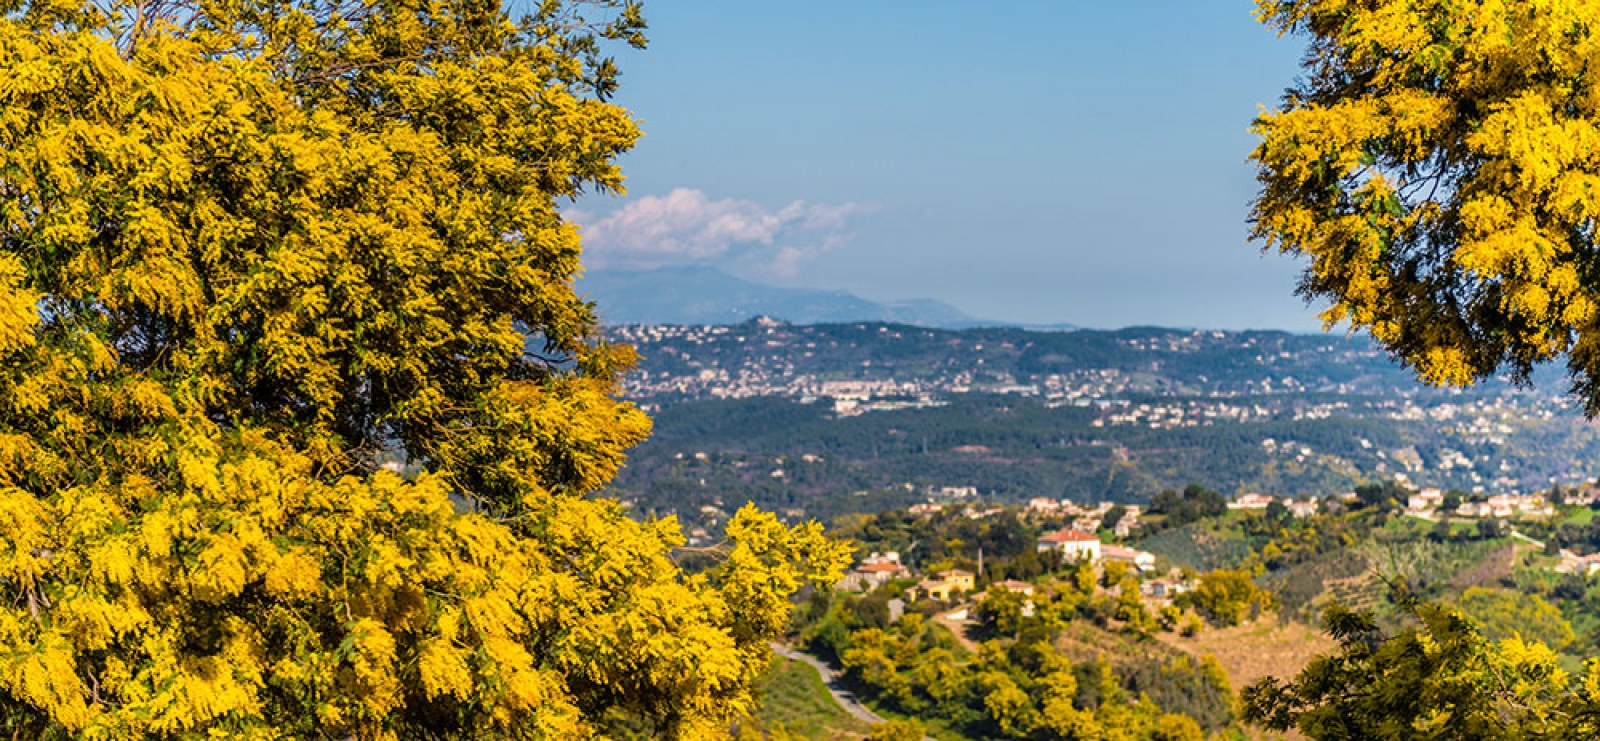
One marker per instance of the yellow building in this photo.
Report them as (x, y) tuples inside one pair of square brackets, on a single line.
[(962, 580), (938, 589)]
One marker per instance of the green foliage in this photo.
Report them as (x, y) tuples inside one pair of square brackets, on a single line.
[(1502, 613), (1424, 164), (897, 730), (940, 537), (1385, 496), (1227, 597), (1195, 503), (1299, 587), (1439, 679), (1021, 686), (1173, 727), (1112, 517), (1000, 612), (1201, 545), (1184, 687)]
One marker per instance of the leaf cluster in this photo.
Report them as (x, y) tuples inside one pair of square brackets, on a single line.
[(1434, 163)]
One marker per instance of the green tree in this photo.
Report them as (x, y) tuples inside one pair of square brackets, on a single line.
[(1194, 503), (1112, 573), (1226, 596), (1432, 165), (1112, 517), (1278, 513), (1001, 610), (872, 611), (1502, 613), (1130, 608), (897, 730), (1172, 727), (1385, 496), (1440, 679), (1009, 708), (248, 253)]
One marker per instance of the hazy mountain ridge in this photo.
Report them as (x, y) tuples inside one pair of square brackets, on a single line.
[(702, 295)]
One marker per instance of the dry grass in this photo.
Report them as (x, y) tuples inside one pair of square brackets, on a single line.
[(1493, 571), (1258, 649)]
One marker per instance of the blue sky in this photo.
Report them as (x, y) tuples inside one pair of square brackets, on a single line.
[(1035, 161)]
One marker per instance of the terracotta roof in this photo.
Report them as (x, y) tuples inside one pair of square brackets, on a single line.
[(1068, 536), (880, 567)]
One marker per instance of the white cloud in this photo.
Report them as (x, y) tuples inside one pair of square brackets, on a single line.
[(686, 226)]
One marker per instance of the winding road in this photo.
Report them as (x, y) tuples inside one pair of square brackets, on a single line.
[(841, 695)]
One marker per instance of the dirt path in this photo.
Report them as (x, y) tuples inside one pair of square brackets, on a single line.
[(1526, 539), (958, 627)]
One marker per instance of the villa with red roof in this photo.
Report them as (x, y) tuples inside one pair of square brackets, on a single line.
[(875, 571), (1072, 544)]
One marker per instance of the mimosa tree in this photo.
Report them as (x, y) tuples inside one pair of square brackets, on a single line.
[(247, 249), (1439, 164)]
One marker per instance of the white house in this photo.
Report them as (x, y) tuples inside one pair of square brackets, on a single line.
[(1043, 505), (1133, 557), (1073, 544), (1251, 501)]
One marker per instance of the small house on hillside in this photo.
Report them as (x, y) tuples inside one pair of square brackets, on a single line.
[(874, 571), (1043, 505), (1161, 591), (1251, 501), (1303, 508), (1071, 544), (1131, 556), (1012, 585), (962, 580), (1572, 563), (947, 584), (935, 589)]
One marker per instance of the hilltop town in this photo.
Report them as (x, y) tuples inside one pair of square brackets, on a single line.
[(814, 421)]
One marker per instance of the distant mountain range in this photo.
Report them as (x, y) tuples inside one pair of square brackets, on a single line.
[(703, 295)]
